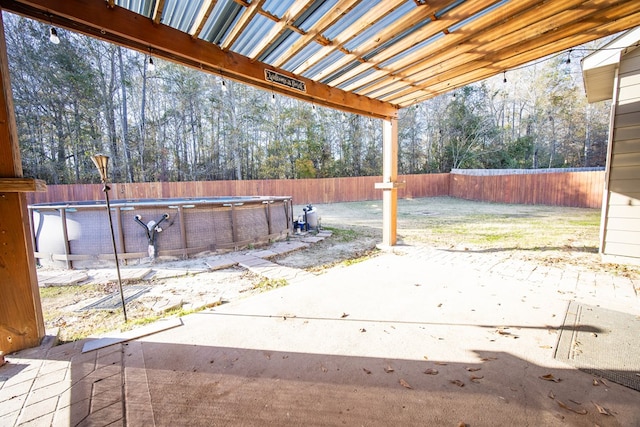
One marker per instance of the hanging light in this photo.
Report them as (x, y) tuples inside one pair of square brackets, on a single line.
[(504, 75), (151, 66), (568, 61), (224, 86), (53, 36), (273, 98)]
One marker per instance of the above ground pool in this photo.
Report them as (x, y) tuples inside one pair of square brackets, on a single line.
[(76, 234)]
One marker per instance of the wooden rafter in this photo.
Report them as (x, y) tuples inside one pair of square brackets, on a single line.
[(245, 18), (201, 18), (562, 40), (315, 32), (132, 30), (294, 12), (447, 46), (479, 52), (412, 18), (368, 19), (157, 11), (448, 20), (505, 31)]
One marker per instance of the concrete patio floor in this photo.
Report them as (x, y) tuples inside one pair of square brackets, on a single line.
[(416, 336)]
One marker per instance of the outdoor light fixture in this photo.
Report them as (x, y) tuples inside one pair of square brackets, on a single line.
[(224, 86), (151, 66), (101, 161), (53, 36), (504, 75), (568, 61)]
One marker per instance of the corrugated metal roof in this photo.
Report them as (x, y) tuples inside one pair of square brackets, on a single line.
[(397, 51)]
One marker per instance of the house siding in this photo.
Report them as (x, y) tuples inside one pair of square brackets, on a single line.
[(621, 232)]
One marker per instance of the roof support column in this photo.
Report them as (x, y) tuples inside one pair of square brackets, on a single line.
[(389, 184), (21, 321)]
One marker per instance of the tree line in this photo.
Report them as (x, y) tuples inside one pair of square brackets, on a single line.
[(173, 123)]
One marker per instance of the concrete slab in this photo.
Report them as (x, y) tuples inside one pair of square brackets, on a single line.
[(165, 273), (129, 274), (435, 345), (56, 278), (286, 247), (162, 305), (222, 263), (312, 239), (265, 254), (411, 337)]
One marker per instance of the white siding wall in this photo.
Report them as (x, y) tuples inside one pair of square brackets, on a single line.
[(621, 233)]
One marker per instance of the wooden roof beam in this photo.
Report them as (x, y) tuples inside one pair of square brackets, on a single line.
[(315, 32), (365, 21), (293, 13), (134, 31), (242, 23)]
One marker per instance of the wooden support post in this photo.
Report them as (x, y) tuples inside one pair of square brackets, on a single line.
[(65, 237), (389, 184), (269, 226), (183, 232), (234, 223), (21, 321)]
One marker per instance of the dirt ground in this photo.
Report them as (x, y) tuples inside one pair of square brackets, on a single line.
[(564, 237)]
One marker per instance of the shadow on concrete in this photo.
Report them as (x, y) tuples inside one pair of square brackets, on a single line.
[(586, 249)]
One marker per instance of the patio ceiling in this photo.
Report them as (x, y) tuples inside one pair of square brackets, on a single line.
[(365, 56)]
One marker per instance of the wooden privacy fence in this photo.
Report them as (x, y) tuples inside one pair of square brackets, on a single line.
[(577, 189), (580, 189)]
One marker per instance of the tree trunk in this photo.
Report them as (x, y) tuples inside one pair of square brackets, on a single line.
[(125, 126)]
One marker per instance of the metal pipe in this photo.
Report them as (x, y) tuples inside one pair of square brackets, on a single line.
[(106, 189)]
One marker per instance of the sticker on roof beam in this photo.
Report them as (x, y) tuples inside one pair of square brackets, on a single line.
[(281, 79)]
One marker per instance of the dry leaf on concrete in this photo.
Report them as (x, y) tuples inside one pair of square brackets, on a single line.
[(568, 408), (389, 369), (475, 379), (431, 371), (457, 382), (472, 369), (405, 384), (344, 315), (551, 395), (367, 371), (441, 363), (602, 409), (550, 377)]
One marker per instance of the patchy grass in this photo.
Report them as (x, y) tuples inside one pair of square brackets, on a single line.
[(266, 284), (343, 235)]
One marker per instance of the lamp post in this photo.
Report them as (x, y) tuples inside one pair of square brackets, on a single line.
[(101, 161)]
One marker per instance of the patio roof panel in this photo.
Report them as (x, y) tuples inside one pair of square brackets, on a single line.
[(367, 56)]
